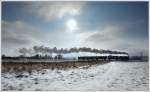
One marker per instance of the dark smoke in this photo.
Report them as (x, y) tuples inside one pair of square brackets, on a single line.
[(47, 50)]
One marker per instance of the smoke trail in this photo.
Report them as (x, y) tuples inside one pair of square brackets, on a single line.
[(47, 50)]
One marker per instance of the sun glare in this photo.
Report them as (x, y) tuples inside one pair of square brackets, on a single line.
[(71, 25)]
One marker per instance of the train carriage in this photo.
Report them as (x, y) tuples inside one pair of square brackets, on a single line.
[(104, 58)]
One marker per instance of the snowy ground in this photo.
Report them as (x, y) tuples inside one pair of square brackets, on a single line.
[(110, 76)]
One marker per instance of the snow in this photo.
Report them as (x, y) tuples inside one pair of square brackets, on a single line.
[(121, 76)]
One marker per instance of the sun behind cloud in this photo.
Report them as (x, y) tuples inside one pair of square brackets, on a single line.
[(71, 25)]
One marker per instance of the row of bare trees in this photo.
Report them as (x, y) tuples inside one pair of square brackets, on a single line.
[(41, 50)]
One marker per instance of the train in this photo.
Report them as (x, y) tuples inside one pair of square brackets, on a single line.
[(103, 58)]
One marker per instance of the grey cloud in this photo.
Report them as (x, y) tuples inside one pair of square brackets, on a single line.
[(98, 37), (18, 34), (111, 39), (12, 38), (53, 10)]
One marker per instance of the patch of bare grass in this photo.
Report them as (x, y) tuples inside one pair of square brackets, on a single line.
[(30, 66)]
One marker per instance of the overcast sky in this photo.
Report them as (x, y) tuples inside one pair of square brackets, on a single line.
[(103, 25)]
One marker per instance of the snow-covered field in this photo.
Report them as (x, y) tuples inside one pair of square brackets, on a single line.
[(110, 76)]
